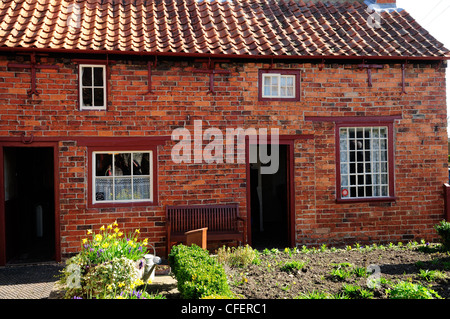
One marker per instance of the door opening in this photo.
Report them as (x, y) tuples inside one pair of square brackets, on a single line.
[(269, 202), (29, 205)]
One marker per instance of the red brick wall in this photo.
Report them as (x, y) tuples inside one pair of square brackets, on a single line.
[(181, 96)]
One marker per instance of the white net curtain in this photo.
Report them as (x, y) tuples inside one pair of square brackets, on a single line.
[(129, 179)]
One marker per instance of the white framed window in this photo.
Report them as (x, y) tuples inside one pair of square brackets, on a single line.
[(365, 163), (125, 176), (278, 85), (92, 79)]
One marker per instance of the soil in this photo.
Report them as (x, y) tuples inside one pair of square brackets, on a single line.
[(268, 281)]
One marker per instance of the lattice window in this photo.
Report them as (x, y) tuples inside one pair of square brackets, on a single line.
[(364, 162)]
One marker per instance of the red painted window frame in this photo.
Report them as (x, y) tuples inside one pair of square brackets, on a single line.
[(297, 91), (123, 148), (362, 121), (391, 162)]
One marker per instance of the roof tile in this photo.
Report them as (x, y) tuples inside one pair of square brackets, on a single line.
[(247, 27)]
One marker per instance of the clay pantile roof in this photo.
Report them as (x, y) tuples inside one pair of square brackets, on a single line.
[(233, 27)]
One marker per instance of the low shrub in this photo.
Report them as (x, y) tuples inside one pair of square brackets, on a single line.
[(198, 274), (443, 229)]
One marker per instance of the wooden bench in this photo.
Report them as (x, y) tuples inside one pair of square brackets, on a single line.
[(222, 222)]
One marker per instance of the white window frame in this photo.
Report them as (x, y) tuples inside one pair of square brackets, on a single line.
[(278, 76), (369, 156), (116, 177), (81, 87)]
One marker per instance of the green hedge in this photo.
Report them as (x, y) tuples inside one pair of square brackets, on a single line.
[(443, 229), (198, 274)]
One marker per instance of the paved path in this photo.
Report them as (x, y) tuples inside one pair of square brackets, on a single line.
[(28, 281), (38, 282)]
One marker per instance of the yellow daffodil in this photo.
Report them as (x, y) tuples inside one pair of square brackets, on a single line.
[(137, 231), (98, 237), (138, 282), (121, 284), (85, 240), (102, 228), (120, 234), (115, 223), (109, 226), (89, 231), (105, 245), (116, 230), (109, 287)]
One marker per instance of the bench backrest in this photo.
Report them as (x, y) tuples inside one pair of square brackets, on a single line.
[(215, 217)]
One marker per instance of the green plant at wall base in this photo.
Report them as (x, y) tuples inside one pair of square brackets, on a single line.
[(198, 274), (443, 229)]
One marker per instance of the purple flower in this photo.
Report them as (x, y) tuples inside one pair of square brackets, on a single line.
[(141, 264)]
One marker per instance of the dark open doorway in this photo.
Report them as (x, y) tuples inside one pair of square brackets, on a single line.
[(29, 193), (269, 202)]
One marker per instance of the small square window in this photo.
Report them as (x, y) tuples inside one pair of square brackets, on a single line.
[(282, 85), (92, 87)]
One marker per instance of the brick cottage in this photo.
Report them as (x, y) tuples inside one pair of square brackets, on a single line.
[(122, 110)]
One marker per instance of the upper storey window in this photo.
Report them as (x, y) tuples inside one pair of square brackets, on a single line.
[(92, 87), (281, 85)]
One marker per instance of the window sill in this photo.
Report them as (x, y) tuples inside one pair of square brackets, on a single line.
[(121, 204), (366, 200)]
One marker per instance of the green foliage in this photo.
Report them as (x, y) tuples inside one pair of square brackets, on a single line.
[(198, 274), (409, 290), (357, 292), (431, 275), (341, 271), (293, 266), (241, 256), (443, 229)]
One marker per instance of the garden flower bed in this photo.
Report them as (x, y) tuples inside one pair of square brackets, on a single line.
[(393, 271), (411, 271)]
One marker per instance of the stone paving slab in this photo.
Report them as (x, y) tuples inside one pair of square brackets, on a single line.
[(28, 281), (40, 282)]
